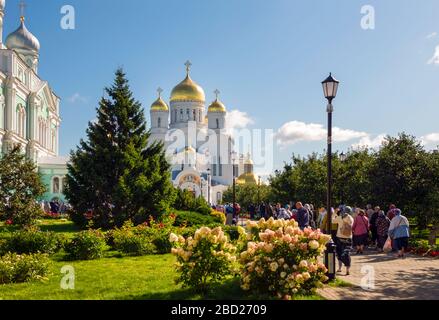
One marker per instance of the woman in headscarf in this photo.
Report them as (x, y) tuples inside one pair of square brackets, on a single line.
[(360, 230), (344, 238), (399, 232), (383, 224)]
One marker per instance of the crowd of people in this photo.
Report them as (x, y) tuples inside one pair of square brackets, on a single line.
[(54, 207), (352, 229)]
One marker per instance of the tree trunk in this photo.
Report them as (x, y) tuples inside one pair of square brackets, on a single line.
[(433, 233)]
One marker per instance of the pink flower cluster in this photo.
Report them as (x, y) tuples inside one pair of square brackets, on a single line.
[(283, 259)]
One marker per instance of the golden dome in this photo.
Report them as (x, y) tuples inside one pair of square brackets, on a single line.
[(159, 105), (217, 106), (188, 90), (249, 161), (247, 178)]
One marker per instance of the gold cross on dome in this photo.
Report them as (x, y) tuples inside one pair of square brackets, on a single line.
[(217, 92), (22, 5), (159, 91), (188, 65)]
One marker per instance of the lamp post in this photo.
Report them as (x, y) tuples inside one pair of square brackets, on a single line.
[(233, 154), (208, 185), (330, 88), (259, 187), (343, 158)]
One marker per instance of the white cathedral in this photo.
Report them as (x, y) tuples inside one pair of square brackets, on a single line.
[(197, 143), (29, 109)]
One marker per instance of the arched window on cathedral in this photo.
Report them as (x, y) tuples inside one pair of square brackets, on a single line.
[(21, 121), (55, 185), (187, 114), (195, 115), (217, 123), (63, 184), (181, 114), (159, 122)]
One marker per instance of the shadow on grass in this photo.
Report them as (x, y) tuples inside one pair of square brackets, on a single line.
[(228, 290)]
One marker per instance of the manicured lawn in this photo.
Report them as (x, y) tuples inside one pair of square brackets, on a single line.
[(60, 226), (127, 278), (117, 277)]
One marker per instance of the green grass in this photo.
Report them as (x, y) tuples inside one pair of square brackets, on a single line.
[(338, 283), (117, 277), (122, 278)]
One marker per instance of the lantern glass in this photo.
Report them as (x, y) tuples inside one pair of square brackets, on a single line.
[(330, 87)]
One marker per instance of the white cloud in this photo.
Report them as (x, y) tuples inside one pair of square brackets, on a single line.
[(76, 97), (236, 119), (369, 142), (431, 35), (295, 131), (435, 58), (431, 140)]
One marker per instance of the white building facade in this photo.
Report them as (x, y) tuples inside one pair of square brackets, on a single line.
[(29, 109)]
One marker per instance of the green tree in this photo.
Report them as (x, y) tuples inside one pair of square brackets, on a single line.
[(185, 200), (20, 187), (400, 174), (118, 173), (247, 194)]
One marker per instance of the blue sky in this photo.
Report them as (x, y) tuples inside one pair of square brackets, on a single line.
[(266, 57)]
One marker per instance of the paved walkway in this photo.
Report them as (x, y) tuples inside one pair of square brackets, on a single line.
[(413, 278)]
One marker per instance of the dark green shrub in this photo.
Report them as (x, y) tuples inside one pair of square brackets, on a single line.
[(133, 240), (232, 232), (190, 219), (86, 245), (186, 201), (162, 243), (16, 268), (31, 240)]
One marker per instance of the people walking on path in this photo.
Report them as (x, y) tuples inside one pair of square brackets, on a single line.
[(383, 224), (334, 226), (373, 226), (399, 232), (344, 222), (360, 230), (302, 216), (369, 211)]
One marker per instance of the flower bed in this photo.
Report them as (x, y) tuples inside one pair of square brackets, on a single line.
[(282, 259), (206, 258), (423, 248)]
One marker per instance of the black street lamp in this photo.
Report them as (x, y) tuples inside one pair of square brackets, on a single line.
[(208, 186), (343, 157), (330, 88), (233, 154), (259, 187)]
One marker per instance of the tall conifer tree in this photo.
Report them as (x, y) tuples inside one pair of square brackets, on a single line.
[(118, 174)]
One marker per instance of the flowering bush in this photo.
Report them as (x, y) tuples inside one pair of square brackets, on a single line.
[(282, 259), (31, 240), (423, 248), (16, 268), (86, 245), (132, 240), (219, 216), (206, 258)]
